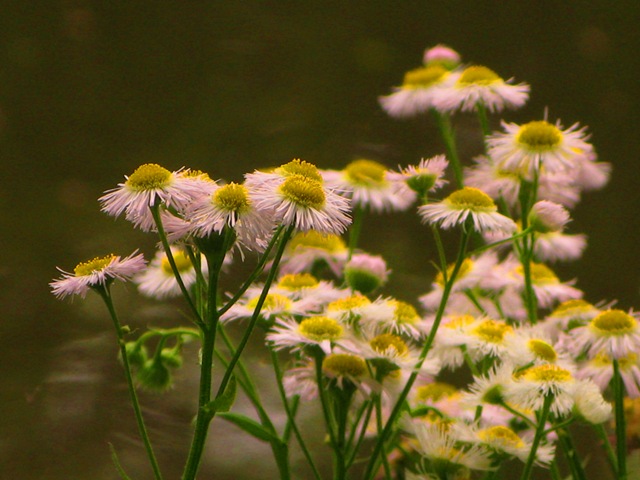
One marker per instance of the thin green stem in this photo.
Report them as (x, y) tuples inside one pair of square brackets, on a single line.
[(324, 403), (611, 454), (106, 297), (621, 424), (500, 242), (356, 229), (448, 136), (571, 454), (399, 405), (542, 419), (484, 122), (363, 430), (441, 254)]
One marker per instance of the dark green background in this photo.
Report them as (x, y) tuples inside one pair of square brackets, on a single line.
[(90, 90)]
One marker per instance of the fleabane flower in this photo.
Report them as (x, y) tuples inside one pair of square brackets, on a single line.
[(158, 280), (479, 85), (417, 92), (369, 184), (526, 149), (600, 370), (546, 216), (296, 196), (317, 331), (589, 403), (390, 315), (546, 285), (467, 203), (149, 185), (345, 367), (613, 332), (366, 273), (441, 55), (425, 177), (311, 250), (98, 272)]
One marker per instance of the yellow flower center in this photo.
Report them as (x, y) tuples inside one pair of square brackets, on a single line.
[(492, 331), (366, 173), (348, 303), (300, 167), (424, 77), (469, 198), (547, 373), (320, 328), (614, 322), (478, 75), (500, 436), (572, 308), (387, 343), (298, 281), (304, 191), (434, 392), (540, 274), (465, 268), (182, 260), (405, 312), (314, 239), (459, 321), (149, 177), (539, 136), (273, 301), (542, 350), (343, 364), (93, 265), (197, 174), (232, 198)]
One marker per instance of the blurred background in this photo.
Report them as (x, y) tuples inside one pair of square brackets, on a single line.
[(90, 90)]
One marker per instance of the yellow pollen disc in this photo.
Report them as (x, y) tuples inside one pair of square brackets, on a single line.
[(348, 303), (273, 301), (196, 174), (547, 373), (298, 281), (459, 321), (386, 341), (539, 136), (479, 76), (469, 198), (300, 167), (540, 274), (343, 364), (628, 361), (572, 308), (314, 239), (182, 260), (93, 265), (405, 312), (465, 268), (424, 77), (366, 172), (434, 392), (232, 198), (602, 360), (149, 177), (614, 322), (492, 331), (500, 436), (320, 328), (542, 350), (304, 191)]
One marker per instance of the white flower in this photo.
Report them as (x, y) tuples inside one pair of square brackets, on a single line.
[(158, 280), (479, 85), (546, 216), (526, 149), (589, 403), (557, 246), (148, 185), (369, 184), (425, 177), (599, 369), (463, 204), (310, 250), (97, 272), (613, 332), (320, 331)]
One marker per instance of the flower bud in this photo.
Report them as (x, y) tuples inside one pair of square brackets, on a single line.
[(136, 353), (546, 216), (442, 55), (365, 273), (154, 375)]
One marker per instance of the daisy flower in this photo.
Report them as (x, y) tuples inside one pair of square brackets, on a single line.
[(301, 381), (546, 285), (149, 185), (546, 216), (531, 345), (370, 184), (590, 404), (345, 367), (98, 272), (299, 286), (525, 149), (487, 337), (309, 250), (366, 273), (558, 246), (317, 331), (275, 306), (466, 203), (600, 370), (299, 199), (417, 93), (443, 55), (480, 85), (389, 315), (351, 308), (424, 177), (614, 332)]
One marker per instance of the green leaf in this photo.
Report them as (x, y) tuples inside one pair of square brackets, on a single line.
[(116, 462), (225, 401), (252, 427)]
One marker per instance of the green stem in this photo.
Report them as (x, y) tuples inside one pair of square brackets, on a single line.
[(399, 405), (363, 430), (484, 122), (571, 454), (542, 420), (441, 254), (326, 412), (500, 242), (356, 229), (611, 454), (106, 297), (446, 131), (621, 430)]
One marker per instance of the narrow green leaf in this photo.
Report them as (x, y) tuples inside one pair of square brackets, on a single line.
[(116, 462), (252, 427), (225, 401)]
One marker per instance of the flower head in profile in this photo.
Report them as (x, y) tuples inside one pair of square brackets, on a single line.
[(477, 85), (441, 55), (158, 280), (467, 203), (295, 195), (149, 185), (311, 250), (98, 272), (613, 332), (424, 177), (526, 149), (371, 185)]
